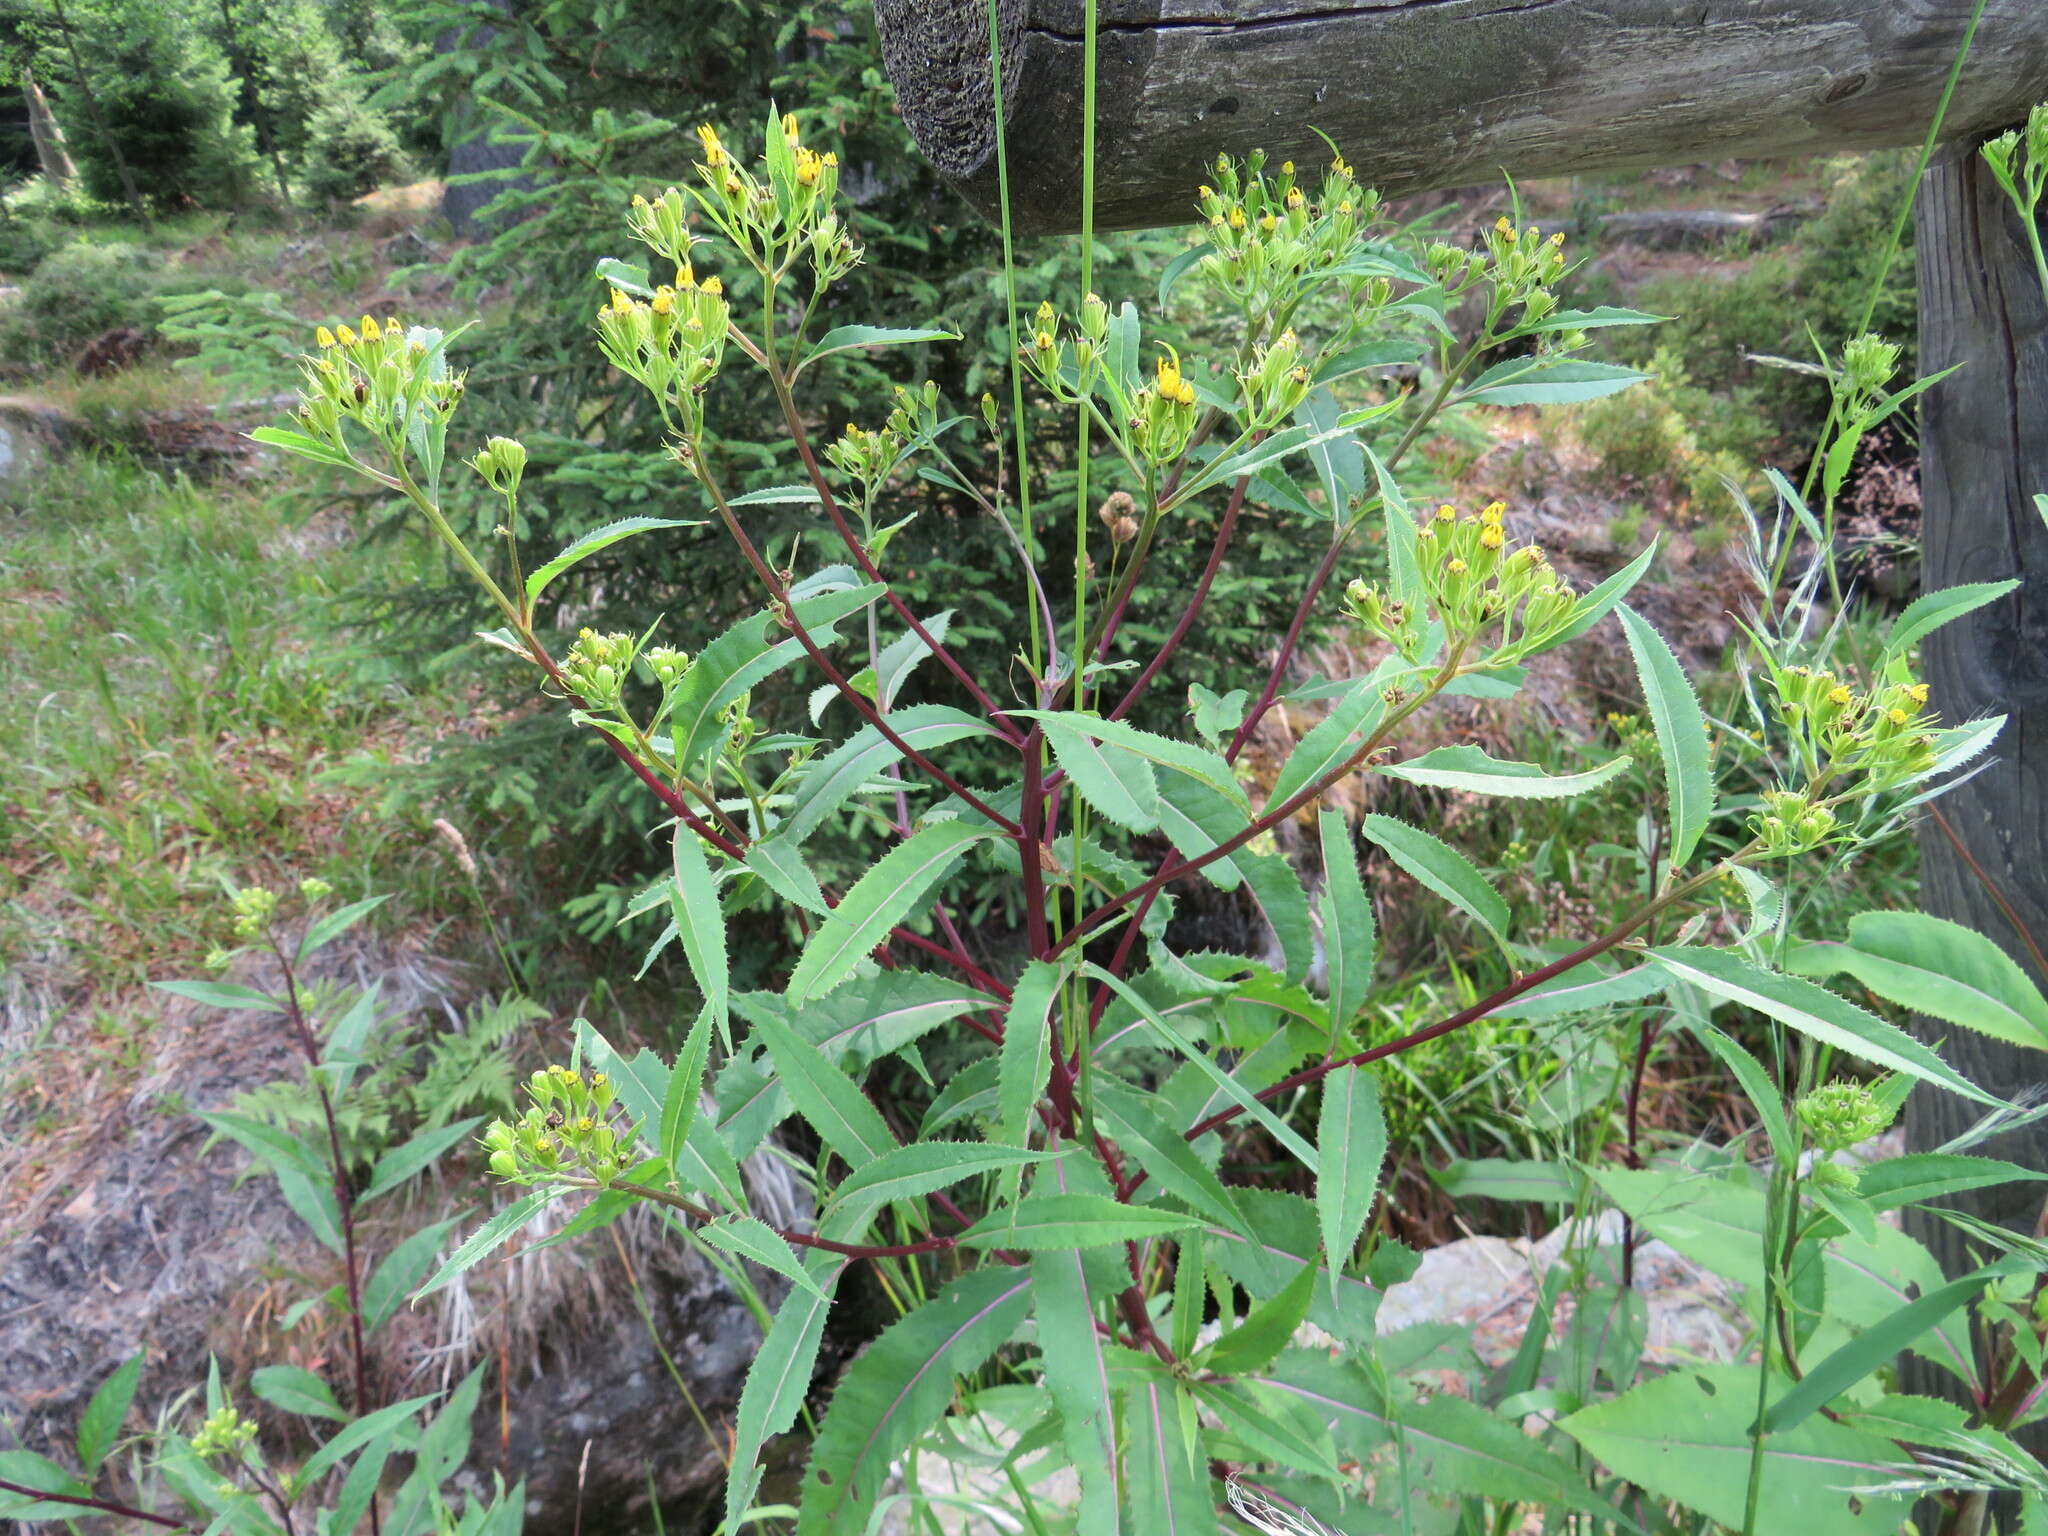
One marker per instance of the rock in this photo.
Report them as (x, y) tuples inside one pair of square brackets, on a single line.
[(31, 432), (112, 351)]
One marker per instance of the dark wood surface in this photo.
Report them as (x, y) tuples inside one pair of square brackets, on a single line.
[(1984, 456), (1434, 93)]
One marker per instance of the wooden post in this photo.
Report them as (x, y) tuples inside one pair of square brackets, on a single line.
[(1984, 456), (1434, 93)]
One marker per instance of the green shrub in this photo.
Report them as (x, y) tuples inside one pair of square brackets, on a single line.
[(80, 291), (351, 149), (1678, 440)]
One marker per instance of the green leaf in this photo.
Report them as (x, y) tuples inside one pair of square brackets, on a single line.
[(1197, 819), (1535, 380), (324, 931), (1931, 610), (1165, 1477), (1167, 1156), (909, 1172), (685, 1091), (1874, 1348), (383, 1422), (1922, 1176), (487, 1239), (1350, 937), (1685, 1436), (1469, 769), (1026, 1059), (740, 658), (1078, 1380), (1234, 1090), (45, 1476), (1288, 1236), (626, 276), (400, 1271), (1681, 729), (219, 994), (854, 338), (754, 1239), (780, 864), (305, 447), (836, 1108), (100, 1425), (597, 539), (1118, 783), (778, 496), (1267, 1329), (700, 923), (1351, 1135), (1373, 354), (297, 1390), (1071, 1221), (778, 1381), (415, 1157), (834, 778), (1594, 319), (1601, 601), (1334, 739), (1500, 1178), (1584, 988), (1815, 1011), (898, 1388), (1442, 869), (1463, 1447), (1936, 967), (1276, 889), (882, 897)]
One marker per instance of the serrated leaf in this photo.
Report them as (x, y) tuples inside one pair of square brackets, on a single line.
[(854, 338), (1334, 739), (487, 1239), (1078, 1380), (1351, 1136), (1268, 1327), (1535, 380), (880, 899), (1681, 728), (752, 1239), (1276, 889), (417, 1155), (1471, 770), (1685, 1436), (1931, 610), (100, 1425), (1026, 1058), (1078, 1220), (220, 994), (1919, 1176), (597, 539), (1118, 783), (778, 1381), (1173, 1164), (1350, 936), (1815, 1011), (898, 1388), (700, 923), (825, 1096), (325, 930), (1936, 967), (833, 779), (1442, 869), (400, 1271), (302, 445), (1167, 1480), (297, 1390), (909, 1172)]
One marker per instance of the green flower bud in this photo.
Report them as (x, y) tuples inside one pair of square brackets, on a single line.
[(1841, 1114)]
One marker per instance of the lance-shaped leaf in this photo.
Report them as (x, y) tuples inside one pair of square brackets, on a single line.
[(1351, 1135), (1442, 869), (898, 1388), (753, 1239), (1921, 1176), (1337, 737), (1470, 770), (701, 923), (1168, 1157), (836, 1108), (1685, 1436), (1166, 1478), (880, 899), (1026, 1058), (1350, 937), (1276, 889), (1814, 1010), (487, 1239), (1534, 380), (907, 1173), (778, 1380), (1601, 601), (1931, 610), (1078, 1379), (855, 338), (100, 1425), (1936, 967), (1681, 729), (1117, 782), (1077, 1220), (834, 778), (592, 542)]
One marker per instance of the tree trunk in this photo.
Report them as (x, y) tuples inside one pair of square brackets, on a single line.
[(48, 134), (1984, 456), (99, 118), (1434, 93)]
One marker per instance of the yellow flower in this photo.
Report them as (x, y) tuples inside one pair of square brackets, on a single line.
[(1294, 198), (1044, 340), (1446, 513), (1840, 694), (1493, 512), (1338, 167), (1456, 566), (664, 300), (1917, 692), (1185, 394), (1269, 222), (639, 201), (714, 152), (370, 331), (1286, 167), (1492, 536), (323, 337), (712, 286), (1169, 374), (1237, 217), (808, 167), (789, 128), (831, 160), (1897, 716), (1503, 225), (345, 336)]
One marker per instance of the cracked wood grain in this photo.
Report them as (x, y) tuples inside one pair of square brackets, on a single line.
[(1434, 93)]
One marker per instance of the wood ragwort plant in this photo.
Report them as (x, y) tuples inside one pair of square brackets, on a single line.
[(1081, 1281)]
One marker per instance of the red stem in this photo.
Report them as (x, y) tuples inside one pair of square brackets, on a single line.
[(1224, 534), (106, 1506), (1285, 655)]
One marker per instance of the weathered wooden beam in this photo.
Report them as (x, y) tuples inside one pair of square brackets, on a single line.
[(1984, 456), (1434, 93)]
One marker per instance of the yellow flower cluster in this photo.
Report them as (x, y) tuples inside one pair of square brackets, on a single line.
[(672, 342), (379, 375), (1267, 230), (1883, 738), (1476, 583), (567, 1129), (773, 217)]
